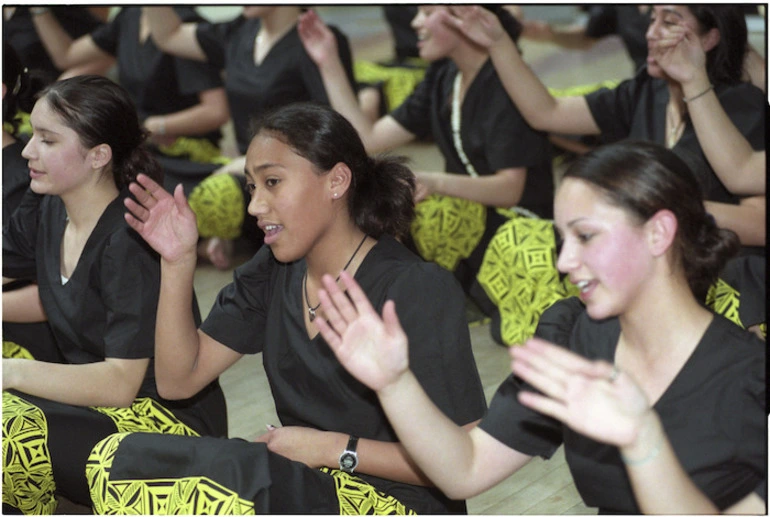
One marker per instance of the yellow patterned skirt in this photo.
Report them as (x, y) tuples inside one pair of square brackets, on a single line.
[(219, 476), (519, 275), (447, 229), (46, 444)]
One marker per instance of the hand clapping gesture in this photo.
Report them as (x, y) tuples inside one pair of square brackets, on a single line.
[(166, 222), (593, 398), (374, 350)]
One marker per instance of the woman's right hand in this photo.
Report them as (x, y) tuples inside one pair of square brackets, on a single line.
[(317, 38), (166, 222), (374, 350), (480, 25)]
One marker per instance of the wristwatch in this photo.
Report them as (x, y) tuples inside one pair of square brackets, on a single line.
[(349, 458)]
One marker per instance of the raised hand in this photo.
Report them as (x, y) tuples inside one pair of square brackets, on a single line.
[(374, 350), (478, 24), (681, 55), (317, 38), (591, 397), (166, 222)]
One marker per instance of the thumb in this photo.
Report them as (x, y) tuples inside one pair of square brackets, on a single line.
[(390, 318)]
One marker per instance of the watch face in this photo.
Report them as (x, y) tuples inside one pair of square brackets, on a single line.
[(348, 461)]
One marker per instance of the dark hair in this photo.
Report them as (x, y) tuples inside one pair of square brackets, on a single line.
[(724, 62), (381, 194), (643, 178), (509, 22), (101, 112), (16, 81)]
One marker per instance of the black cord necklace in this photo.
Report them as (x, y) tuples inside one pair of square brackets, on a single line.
[(311, 310)]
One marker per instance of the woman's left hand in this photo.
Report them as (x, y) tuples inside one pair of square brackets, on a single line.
[(299, 443), (591, 397)]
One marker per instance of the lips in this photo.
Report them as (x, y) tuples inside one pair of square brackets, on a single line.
[(271, 232)]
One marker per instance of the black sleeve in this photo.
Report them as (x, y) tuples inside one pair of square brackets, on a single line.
[(20, 238), (107, 35), (431, 308), (746, 106), (213, 37), (239, 315), (414, 113), (613, 109), (130, 290), (515, 425)]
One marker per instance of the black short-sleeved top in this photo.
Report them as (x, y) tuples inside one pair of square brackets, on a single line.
[(636, 109), (108, 306), (287, 74), (157, 82), (494, 134), (15, 178), (20, 32), (263, 311), (713, 414), (627, 22)]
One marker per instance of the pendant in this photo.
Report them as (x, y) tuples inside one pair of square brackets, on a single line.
[(311, 313)]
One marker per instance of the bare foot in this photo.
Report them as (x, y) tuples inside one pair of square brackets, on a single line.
[(217, 251)]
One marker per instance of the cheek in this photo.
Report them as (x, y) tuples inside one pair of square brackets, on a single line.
[(624, 263)]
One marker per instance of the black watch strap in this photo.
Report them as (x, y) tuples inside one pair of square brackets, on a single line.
[(349, 457)]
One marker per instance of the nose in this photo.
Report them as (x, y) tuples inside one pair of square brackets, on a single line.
[(653, 30), (257, 205), (27, 152), (568, 258), (417, 20)]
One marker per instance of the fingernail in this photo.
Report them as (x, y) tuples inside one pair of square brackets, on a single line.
[(270, 427)]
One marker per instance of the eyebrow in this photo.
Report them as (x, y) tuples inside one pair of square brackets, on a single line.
[(668, 10), (42, 129)]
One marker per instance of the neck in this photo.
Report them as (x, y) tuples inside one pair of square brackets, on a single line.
[(676, 97), (469, 59), (279, 21), (332, 253), (8, 139), (85, 205), (663, 321)]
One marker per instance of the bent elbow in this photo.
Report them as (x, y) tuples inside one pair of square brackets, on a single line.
[(173, 391)]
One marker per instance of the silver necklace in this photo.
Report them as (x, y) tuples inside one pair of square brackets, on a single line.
[(311, 310)]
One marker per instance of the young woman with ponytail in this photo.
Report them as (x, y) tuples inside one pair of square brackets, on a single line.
[(658, 401), (325, 207), (97, 287)]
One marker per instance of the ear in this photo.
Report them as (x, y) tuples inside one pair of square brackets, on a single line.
[(710, 39), (100, 156), (661, 230), (339, 180)]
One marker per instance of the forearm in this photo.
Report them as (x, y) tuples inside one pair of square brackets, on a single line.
[(428, 435), (343, 99), (112, 382), (502, 190), (171, 35), (195, 120), (98, 66), (726, 149), (55, 39), (747, 219), (388, 460), (176, 334), (573, 37), (23, 305), (660, 484)]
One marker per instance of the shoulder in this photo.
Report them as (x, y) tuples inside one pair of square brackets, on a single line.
[(394, 272)]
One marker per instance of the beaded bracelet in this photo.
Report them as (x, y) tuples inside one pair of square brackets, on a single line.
[(701, 94)]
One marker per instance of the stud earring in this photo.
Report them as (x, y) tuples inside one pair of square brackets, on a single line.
[(335, 194)]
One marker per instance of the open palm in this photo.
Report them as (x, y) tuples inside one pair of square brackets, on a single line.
[(318, 40), (166, 222), (373, 349), (480, 25)]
